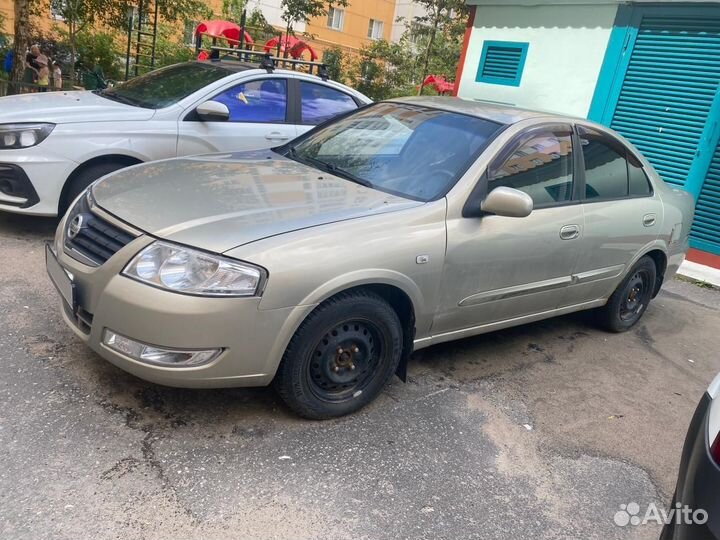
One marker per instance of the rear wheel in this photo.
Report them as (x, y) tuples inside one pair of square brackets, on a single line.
[(628, 303), (341, 357)]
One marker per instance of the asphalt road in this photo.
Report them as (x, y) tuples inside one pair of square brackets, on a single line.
[(536, 432)]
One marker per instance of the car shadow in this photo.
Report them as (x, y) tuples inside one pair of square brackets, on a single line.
[(28, 227), (153, 407)]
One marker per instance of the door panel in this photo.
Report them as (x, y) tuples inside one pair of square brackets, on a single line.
[(615, 231), (258, 119), (498, 268), (621, 214)]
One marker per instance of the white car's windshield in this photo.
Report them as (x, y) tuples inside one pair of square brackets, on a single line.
[(413, 151), (166, 86)]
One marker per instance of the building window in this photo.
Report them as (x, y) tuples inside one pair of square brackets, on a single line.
[(335, 18), (375, 29), (502, 62)]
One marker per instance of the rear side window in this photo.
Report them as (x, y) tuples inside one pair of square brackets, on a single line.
[(611, 171), (263, 101), (540, 164), (321, 103)]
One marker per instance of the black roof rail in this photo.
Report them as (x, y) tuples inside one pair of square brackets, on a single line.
[(268, 61)]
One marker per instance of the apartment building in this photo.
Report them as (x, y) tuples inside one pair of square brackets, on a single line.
[(350, 28)]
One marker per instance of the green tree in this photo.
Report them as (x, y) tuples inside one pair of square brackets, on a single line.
[(295, 11), (168, 50), (442, 19), (232, 10), (23, 10), (78, 15), (334, 60)]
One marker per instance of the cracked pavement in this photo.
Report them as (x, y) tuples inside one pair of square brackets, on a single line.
[(540, 431)]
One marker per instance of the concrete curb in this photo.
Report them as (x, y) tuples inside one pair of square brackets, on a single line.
[(699, 272)]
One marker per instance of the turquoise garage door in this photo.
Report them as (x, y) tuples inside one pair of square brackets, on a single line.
[(660, 87)]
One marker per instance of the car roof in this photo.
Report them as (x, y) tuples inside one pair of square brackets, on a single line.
[(496, 112)]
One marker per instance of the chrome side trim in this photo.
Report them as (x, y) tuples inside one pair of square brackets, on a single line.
[(542, 286), (516, 290), (499, 325), (598, 274)]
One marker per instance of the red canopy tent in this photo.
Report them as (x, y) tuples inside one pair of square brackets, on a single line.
[(223, 29), (439, 83), (294, 46)]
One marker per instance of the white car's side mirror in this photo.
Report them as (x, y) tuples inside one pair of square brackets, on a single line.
[(509, 202), (213, 111)]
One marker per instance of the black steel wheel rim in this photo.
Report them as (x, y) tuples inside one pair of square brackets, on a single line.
[(345, 360), (634, 296)]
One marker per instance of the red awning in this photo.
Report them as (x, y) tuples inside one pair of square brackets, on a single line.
[(294, 46), (439, 83), (222, 29)]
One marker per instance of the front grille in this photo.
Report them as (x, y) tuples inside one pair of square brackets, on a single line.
[(92, 237)]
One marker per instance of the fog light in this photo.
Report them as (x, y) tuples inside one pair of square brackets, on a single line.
[(162, 356)]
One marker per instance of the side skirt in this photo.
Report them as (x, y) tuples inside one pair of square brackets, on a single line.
[(499, 325)]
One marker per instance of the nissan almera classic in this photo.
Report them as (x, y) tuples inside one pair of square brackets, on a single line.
[(319, 266)]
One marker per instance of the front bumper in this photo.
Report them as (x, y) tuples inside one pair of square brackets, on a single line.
[(253, 340), (42, 171)]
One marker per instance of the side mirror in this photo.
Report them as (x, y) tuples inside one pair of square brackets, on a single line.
[(213, 111), (508, 202)]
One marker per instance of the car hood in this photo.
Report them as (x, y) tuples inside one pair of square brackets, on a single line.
[(67, 107), (218, 202)]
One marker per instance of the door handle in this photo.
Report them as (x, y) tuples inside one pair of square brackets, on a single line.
[(276, 136), (569, 232), (649, 220)]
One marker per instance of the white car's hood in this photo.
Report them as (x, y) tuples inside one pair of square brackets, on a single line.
[(67, 107)]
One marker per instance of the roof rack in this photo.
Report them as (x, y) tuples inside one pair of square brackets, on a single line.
[(268, 61)]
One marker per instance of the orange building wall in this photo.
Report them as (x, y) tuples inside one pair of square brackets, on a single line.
[(355, 27), (6, 10)]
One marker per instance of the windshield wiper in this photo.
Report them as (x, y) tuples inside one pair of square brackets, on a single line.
[(116, 97), (328, 167)]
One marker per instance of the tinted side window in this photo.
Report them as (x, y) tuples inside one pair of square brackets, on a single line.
[(541, 165), (611, 170), (320, 103), (606, 174), (638, 180), (256, 101)]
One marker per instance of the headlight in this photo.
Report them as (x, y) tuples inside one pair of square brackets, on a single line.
[(184, 270), (23, 135)]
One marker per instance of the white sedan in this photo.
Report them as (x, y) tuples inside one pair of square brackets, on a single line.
[(53, 145)]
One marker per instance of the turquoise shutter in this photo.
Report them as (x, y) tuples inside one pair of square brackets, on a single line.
[(705, 233), (668, 90)]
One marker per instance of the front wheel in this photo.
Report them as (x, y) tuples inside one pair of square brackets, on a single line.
[(630, 300), (341, 357)]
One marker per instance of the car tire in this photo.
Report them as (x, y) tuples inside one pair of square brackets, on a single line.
[(628, 303), (82, 180), (341, 357)]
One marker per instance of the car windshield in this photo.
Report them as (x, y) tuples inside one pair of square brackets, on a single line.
[(166, 86), (412, 151)]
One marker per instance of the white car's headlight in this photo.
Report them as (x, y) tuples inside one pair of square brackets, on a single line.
[(13, 136), (184, 270)]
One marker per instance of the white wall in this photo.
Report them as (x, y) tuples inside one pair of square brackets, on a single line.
[(406, 9), (272, 10), (567, 47)]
